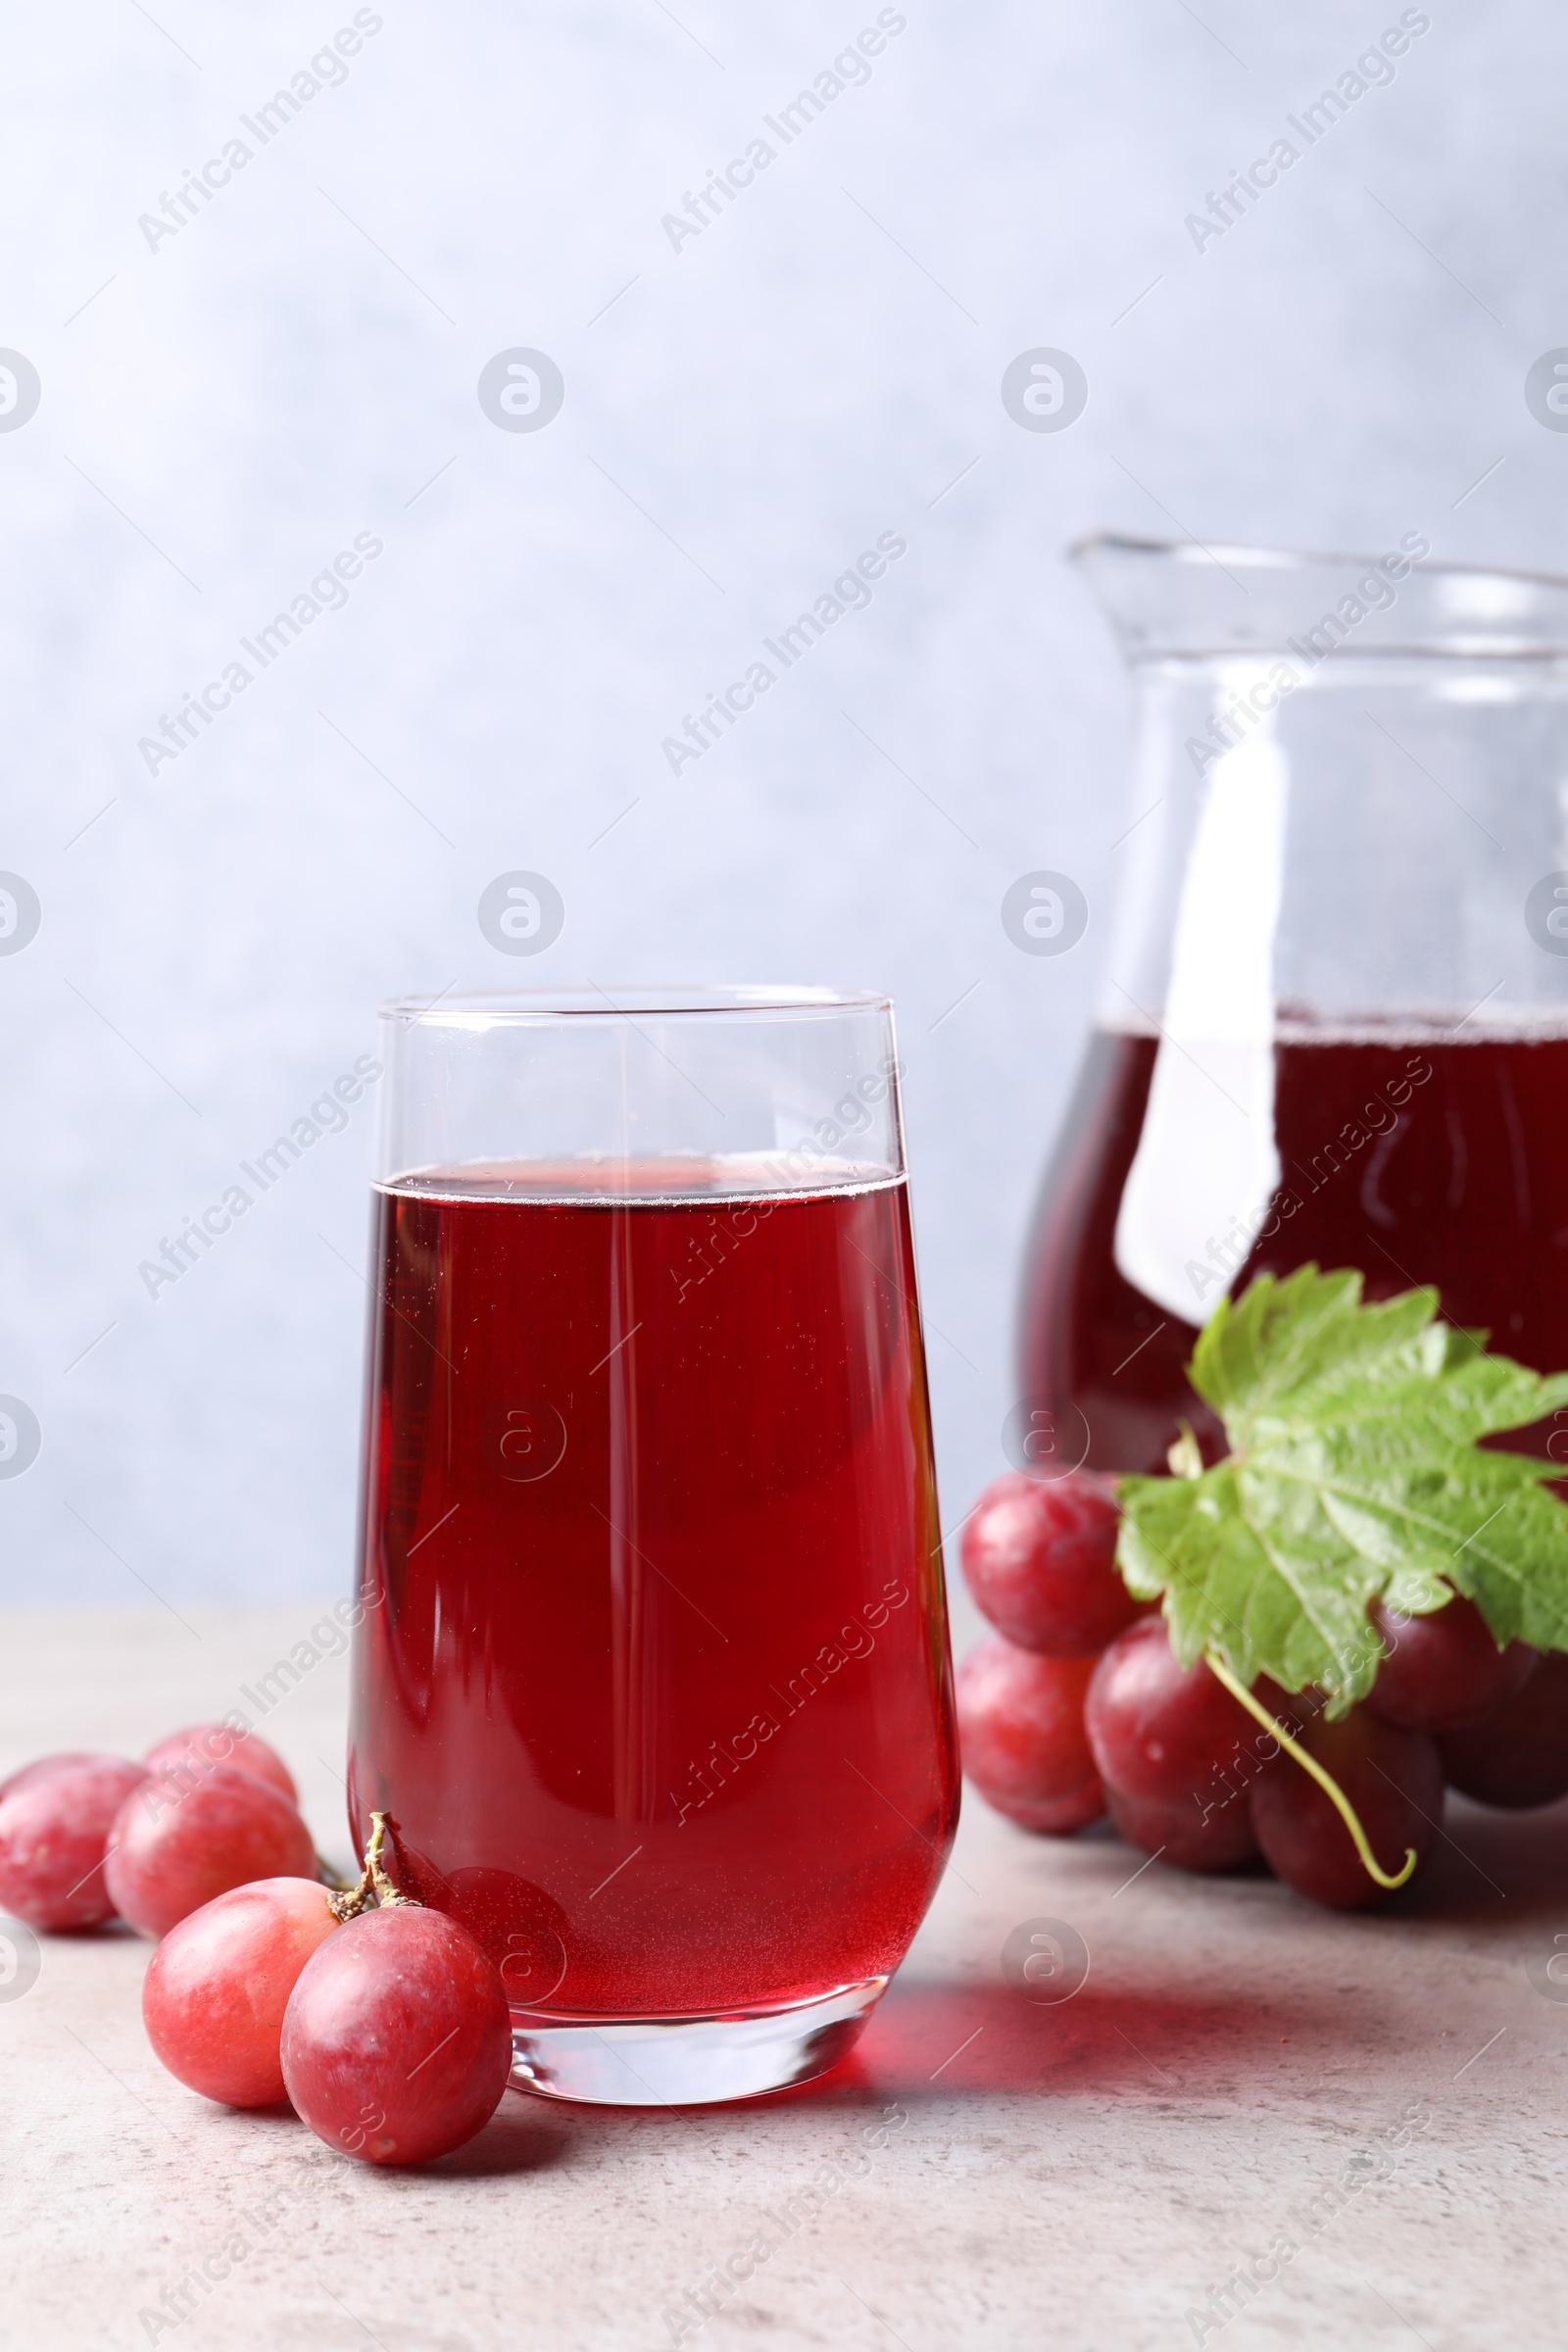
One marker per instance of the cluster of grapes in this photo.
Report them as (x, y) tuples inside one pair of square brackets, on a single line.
[(1076, 1707), (388, 2028)]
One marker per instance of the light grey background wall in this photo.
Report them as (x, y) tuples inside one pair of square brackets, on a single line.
[(225, 408)]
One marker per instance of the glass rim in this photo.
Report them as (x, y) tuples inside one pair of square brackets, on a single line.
[(476, 1008), (1216, 553)]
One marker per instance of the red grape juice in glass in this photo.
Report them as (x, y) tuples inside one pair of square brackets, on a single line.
[(1335, 1022), (653, 1672)]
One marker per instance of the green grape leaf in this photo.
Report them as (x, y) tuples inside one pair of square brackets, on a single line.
[(1354, 1474)]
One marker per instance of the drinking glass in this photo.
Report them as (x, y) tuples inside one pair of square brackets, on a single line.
[(1334, 1018), (652, 1675)]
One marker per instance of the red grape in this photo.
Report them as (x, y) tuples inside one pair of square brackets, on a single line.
[(1164, 1734), (1519, 1756), (1021, 1733), (397, 2038), (1394, 1780), (185, 1754), (56, 1819), (1040, 1556), (44, 1768), (1443, 1672), (216, 1988), (1187, 1835), (173, 1849)]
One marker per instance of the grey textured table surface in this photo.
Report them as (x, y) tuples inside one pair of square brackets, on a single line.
[(1363, 2115)]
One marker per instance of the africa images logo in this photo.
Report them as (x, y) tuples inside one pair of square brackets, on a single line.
[(20, 390), (522, 390)]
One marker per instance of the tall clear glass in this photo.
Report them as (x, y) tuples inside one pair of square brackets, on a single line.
[(1334, 1018), (654, 1674)]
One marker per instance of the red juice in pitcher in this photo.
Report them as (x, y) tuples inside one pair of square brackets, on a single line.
[(1334, 980), (653, 1672), (1417, 1156)]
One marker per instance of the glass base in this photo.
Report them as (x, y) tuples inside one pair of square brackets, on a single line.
[(687, 2061)]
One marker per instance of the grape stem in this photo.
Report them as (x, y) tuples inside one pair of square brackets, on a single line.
[(1325, 1779), (374, 1880)]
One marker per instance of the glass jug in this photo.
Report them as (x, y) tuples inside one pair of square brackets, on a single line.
[(1334, 1023)]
